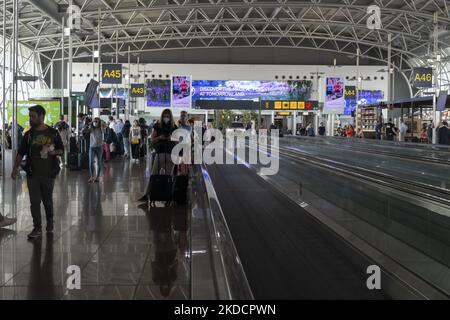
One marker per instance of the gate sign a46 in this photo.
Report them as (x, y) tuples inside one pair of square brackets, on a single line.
[(423, 77)]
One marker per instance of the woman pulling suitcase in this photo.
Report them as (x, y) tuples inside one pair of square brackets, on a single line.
[(135, 140), (160, 186)]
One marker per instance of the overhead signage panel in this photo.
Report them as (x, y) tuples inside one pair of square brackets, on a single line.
[(137, 90), (289, 105), (423, 77), (111, 73)]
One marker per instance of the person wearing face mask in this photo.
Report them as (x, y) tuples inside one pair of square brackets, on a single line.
[(41, 145), (163, 144), (161, 141), (135, 140), (96, 134)]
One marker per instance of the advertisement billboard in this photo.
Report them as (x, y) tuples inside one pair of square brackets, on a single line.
[(52, 109), (251, 90), (181, 91), (158, 93), (334, 98), (365, 97)]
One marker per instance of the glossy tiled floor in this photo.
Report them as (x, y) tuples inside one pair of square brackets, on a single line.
[(123, 251)]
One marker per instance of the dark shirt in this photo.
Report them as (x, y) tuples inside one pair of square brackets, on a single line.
[(321, 130), (164, 146), (444, 135), (126, 130), (378, 128), (390, 129), (35, 142)]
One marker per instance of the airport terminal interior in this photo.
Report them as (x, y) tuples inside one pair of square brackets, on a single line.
[(225, 150)]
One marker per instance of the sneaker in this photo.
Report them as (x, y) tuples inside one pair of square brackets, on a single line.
[(49, 228), (7, 222), (36, 233), (143, 198)]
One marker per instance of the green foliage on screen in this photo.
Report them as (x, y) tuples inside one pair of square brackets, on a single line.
[(52, 108)]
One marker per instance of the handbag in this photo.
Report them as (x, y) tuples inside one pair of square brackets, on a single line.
[(113, 147)]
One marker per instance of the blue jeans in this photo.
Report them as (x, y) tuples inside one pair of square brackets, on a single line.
[(95, 151), (126, 145)]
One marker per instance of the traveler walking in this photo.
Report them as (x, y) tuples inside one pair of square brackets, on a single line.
[(390, 131), (64, 131), (430, 129), (107, 139), (310, 130), (135, 140), (161, 141), (444, 134), (96, 133), (118, 127), (42, 145), (321, 129), (402, 131), (350, 132), (378, 130), (126, 138)]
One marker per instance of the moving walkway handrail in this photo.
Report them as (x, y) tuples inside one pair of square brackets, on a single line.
[(365, 147), (227, 273), (383, 177), (409, 145)]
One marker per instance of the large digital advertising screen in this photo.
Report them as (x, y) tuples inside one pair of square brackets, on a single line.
[(251, 90), (364, 97), (181, 91), (158, 93), (52, 111), (334, 98)]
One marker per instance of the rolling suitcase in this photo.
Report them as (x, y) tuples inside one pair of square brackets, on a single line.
[(84, 156), (84, 161), (73, 145), (180, 185), (160, 184), (73, 161)]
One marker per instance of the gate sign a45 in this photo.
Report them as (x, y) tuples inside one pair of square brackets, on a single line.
[(112, 73)]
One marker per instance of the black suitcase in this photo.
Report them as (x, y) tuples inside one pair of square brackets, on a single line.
[(73, 148), (84, 160), (180, 185), (160, 185), (73, 161)]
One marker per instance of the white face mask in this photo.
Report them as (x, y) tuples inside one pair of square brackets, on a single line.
[(95, 124), (166, 120)]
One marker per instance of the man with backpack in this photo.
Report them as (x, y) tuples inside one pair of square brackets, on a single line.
[(41, 145)]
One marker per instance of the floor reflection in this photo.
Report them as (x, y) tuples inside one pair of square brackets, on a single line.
[(100, 228), (170, 227), (41, 285)]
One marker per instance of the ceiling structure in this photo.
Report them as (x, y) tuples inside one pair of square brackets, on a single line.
[(337, 26)]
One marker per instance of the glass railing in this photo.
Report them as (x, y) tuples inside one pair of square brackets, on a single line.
[(216, 269)]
